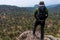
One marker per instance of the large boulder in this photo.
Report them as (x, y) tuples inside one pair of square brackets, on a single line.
[(27, 35)]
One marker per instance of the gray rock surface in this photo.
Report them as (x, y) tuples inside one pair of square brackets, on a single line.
[(27, 35)]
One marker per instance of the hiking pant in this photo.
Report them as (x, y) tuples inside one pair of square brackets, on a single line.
[(42, 23)]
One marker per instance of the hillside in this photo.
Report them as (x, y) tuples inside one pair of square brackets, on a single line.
[(15, 20), (14, 10)]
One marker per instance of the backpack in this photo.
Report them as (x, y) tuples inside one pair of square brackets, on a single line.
[(41, 13)]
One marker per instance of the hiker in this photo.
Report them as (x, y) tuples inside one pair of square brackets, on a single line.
[(40, 15)]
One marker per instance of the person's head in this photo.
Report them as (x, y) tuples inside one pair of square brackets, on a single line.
[(41, 3)]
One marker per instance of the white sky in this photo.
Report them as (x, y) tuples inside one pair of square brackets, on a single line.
[(27, 3)]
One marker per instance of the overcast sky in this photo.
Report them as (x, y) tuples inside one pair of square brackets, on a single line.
[(27, 3)]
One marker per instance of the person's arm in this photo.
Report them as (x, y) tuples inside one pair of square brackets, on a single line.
[(35, 13), (46, 12)]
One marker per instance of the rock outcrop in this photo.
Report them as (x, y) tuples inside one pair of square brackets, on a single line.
[(27, 35)]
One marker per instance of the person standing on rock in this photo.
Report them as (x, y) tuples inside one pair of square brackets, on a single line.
[(40, 15)]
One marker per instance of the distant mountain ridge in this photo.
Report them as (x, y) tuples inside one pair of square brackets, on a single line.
[(55, 9), (8, 9), (15, 9), (52, 8)]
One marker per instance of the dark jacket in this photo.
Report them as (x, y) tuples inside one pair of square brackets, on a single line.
[(36, 12)]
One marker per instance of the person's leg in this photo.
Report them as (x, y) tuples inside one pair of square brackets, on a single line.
[(35, 25), (42, 30)]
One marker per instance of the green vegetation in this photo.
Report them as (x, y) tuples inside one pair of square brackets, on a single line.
[(15, 20)]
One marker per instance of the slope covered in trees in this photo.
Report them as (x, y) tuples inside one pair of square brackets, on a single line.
[(15, 20)]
